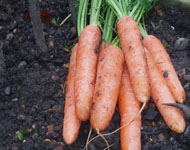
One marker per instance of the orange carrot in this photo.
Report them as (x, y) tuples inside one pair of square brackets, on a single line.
[(161, 94), (129, 107), (162, 59), (132, 46), (71, 123), (87, 58), (109, 72), (103, 46)]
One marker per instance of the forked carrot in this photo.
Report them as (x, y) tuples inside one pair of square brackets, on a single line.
[(129, 107), (162, 59), (161, 94), (71, 124), (131, 42), (87, 58), (109, 71)]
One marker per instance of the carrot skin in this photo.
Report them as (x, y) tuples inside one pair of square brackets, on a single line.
[(132, 46), (129, 107), (161, 94), (71, 124), (161, 57), (87, 58), (109, 72)]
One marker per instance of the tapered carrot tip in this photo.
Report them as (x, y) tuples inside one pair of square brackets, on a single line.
[(162, 59), (161, 94)]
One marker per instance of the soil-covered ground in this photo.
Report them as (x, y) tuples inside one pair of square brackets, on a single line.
[(31, 91)]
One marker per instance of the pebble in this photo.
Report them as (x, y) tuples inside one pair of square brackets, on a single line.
[(181, 44), (9, 36), (54, 77), (187, 77), (35, 136), (21, 117), (28, 145), (22, 64), (50, 128), (56, 128), (14, 148), (51, 44), (8, 90), (58, 148), (58, 61), (15, 99), (161, 137), (150, 114)]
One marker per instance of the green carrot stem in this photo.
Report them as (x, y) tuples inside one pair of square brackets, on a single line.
[(108, 26), (82, 15), (95, 12)]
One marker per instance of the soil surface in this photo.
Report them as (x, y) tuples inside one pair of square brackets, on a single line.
[(31, 91)]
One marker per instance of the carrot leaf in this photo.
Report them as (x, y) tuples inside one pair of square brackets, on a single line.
[(95, 12)]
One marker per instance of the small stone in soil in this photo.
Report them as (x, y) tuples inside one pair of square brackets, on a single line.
[(8, 90), (15, 99), (181, 44), (58, 148), (9, 36), (54, 77), (50, 128), (56, 128), (161, 137), (22, 64), (14, 148), (150, 114), (21, 117), (187, 77)]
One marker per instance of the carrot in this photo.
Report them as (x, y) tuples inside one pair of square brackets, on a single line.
[(131, 42), (71, 123), (87, 58), (164, 63), (129, 107), (161, 94), (109, 71)]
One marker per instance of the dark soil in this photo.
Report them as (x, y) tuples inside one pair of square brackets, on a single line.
[(31, 91)]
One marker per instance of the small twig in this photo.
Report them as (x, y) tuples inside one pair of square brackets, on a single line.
[(109, 146), (106, 134), (98, 132), (65, 20), (89, 134)]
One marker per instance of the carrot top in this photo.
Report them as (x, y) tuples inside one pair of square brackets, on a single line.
[(82, 15), (133, 8), (108, 26), (95, 12)]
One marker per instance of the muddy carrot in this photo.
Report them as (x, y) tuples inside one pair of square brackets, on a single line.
[(129, 106), (161, 94), (71, 123), (108, 79), (131, 42), (161, 57), (87, 58)]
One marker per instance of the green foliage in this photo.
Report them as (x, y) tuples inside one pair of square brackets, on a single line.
[(22, 134), (55, 20)]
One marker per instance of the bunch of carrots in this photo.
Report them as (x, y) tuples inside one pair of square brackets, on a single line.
[(127, 69)]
